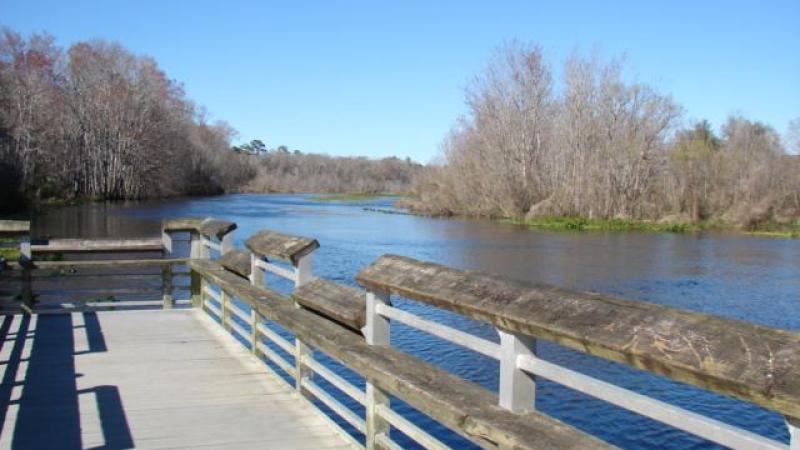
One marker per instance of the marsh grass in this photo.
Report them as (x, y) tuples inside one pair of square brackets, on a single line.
[(791, 231), (349, 197), (584, 224)]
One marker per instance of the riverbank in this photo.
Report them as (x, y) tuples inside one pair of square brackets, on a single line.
[(583, 224), (351, 197), (770, 229)]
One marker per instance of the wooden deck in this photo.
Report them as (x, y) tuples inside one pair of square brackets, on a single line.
[(144, 379)]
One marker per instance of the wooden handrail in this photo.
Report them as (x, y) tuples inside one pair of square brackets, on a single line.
[(335, 301), (461, 405), (272, 244), (14, 227), (97, 245), (237, 261), (210, 228), (754, 363)]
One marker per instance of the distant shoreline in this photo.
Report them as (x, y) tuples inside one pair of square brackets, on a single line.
[(582, 224)]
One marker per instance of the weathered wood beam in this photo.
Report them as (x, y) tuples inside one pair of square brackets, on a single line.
[(272, 244), (456, 403), (14, 227), (98, 245), (210, 228), (237, 261), (98, 264), (335, 301), (754, 363)]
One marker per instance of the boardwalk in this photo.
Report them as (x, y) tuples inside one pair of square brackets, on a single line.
[(101, 379), (144, 379)]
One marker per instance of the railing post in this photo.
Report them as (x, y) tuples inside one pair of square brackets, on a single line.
[(256, 273), (301, 351), (195, 245), (223, 307), (376, 332), (196, 288), (517, 387), (226, 243), (166, 242), (166, 285), (303, 271), (794, 433), (26, 262), (254, 333)]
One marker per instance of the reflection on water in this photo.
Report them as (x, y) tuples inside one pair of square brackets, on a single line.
[(734, 276), (96, 220)]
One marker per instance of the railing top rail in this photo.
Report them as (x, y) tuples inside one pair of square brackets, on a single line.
[(272, 244), (14, 227), (210, 228), (338, 302), (754, 363), (237, 261), (97, 245), (459, 404)]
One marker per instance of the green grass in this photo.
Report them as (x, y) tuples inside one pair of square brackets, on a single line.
[(791, 231), (584, 224), (349, 197), (9, 254), (9, 249)]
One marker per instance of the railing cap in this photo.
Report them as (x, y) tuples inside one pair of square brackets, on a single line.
[(14, 227), (751, 362), (207, 227), (281, 246), (236, 261), (343, 304)]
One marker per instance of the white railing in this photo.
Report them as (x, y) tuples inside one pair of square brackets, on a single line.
[(518, 367), (519, 363)]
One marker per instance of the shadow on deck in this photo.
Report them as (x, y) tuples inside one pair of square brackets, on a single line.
[(39, 395)]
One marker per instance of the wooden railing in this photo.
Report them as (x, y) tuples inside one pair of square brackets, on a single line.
[(116, 274), (753, 363)]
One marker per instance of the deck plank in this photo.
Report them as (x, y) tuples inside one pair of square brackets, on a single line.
[(144, 379)]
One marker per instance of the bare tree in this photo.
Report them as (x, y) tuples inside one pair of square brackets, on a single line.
[(600, 148)]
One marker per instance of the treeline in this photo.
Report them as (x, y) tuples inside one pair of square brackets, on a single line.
[(98, 121), (281, 170), (594, 145)]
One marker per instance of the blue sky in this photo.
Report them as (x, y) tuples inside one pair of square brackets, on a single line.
[(387, 78)]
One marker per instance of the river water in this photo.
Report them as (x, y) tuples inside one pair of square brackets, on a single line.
[(730, 275)]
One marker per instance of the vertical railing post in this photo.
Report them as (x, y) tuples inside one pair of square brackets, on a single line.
[(376, 332), (195, 245), (517, 387), (166, 242), (301, 352), (166, 285), (26, 262), (205, 251), (254, 333), (196, 289), (794, 433), (202, 299), (303, 270), (303, 274), (226, 243), (223, 307), (256, 272)]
